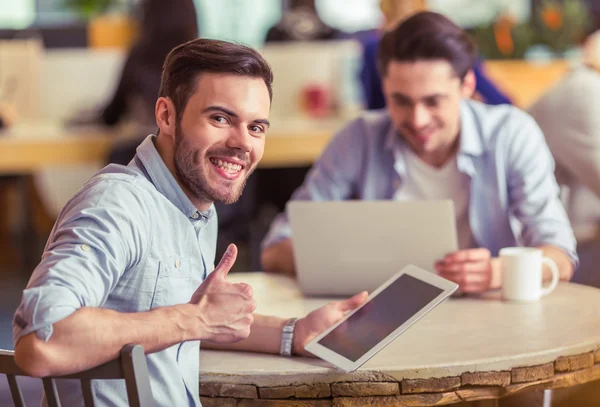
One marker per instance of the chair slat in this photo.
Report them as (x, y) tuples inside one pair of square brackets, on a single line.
[(108, 370), (89, 397), (15, 391), (137, 380), (51, 392)]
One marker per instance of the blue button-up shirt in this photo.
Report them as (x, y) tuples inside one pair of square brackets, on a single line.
[(514, 197), (130, 240)]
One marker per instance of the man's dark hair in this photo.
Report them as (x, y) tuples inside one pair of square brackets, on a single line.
[(427, 36), (187, 61)]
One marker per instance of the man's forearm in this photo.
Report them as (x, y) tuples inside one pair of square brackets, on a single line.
[(279, 258), (265, 337), (92, 336)]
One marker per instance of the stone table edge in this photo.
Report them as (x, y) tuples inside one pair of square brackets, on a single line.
[(330, 375), (468, 392)]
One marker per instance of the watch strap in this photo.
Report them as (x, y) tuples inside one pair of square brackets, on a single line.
[(287, 337)]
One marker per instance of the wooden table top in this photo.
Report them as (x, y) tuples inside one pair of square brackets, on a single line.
[(30, 147), (499, 346)]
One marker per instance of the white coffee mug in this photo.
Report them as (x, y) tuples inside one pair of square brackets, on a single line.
[(522, 274)]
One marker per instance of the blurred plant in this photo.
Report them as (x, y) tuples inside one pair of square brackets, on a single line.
[(91, 8), (504, 38), (558, 24), (502, 34), (562, 24), (552, 16)]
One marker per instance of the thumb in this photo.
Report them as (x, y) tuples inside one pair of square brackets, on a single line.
[(354, 301), (227, 261)]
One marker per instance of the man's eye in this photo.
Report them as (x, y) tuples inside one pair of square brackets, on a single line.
[(220, 119), (256, 129)]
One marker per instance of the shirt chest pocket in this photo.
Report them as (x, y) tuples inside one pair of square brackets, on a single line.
[(173, 283)]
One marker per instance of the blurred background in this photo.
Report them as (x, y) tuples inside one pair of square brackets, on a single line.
[(78, 81)]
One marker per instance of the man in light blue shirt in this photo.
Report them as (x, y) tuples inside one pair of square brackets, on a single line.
[(130, 258), (433, 142)]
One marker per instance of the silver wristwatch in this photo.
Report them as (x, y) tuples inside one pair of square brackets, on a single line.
[(287, 337)]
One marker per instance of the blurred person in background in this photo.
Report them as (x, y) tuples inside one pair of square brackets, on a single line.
[(433, 141), (300, 21), (163, 26), (569, 117), (394, 11)]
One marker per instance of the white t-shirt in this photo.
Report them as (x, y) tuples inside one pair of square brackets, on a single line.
[(426, 182)]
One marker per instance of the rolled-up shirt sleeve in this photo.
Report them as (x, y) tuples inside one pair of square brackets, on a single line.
[(333, 177), (534, 192), (101, 232)]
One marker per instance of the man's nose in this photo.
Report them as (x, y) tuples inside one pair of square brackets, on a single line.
[(420, 117), (240, 139)]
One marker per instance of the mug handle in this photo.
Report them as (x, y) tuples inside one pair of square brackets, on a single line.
[(555, 276)]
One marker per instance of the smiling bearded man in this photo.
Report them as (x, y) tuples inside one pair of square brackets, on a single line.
[(130, 259)]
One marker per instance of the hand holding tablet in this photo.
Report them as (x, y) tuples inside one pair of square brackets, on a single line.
[(390, 310)]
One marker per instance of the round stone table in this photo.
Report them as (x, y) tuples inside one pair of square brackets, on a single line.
[(465, 349)]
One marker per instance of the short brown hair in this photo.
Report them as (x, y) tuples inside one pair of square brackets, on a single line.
[(187, 61), (427, 36)]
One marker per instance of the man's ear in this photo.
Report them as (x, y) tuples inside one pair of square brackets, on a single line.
[(469, 84), (166, 116)]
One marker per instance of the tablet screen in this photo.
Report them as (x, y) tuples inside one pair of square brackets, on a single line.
[(381, 316)]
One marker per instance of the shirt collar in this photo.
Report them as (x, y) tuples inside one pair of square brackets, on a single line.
[(165, 182), (396, 145), (470, 132)]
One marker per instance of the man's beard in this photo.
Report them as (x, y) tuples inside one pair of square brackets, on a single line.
[(191, 171)]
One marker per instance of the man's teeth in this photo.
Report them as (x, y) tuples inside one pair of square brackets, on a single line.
[(224, 165)]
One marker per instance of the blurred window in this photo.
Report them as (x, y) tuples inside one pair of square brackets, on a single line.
[(20, 14), (245, 21), (17, 14), (53, 12), (350, 15), (471, 13), (248, 21)]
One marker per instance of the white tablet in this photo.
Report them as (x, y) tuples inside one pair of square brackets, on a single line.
[(390, 310)]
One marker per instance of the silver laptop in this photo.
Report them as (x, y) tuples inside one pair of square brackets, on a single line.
[(344, 247)]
